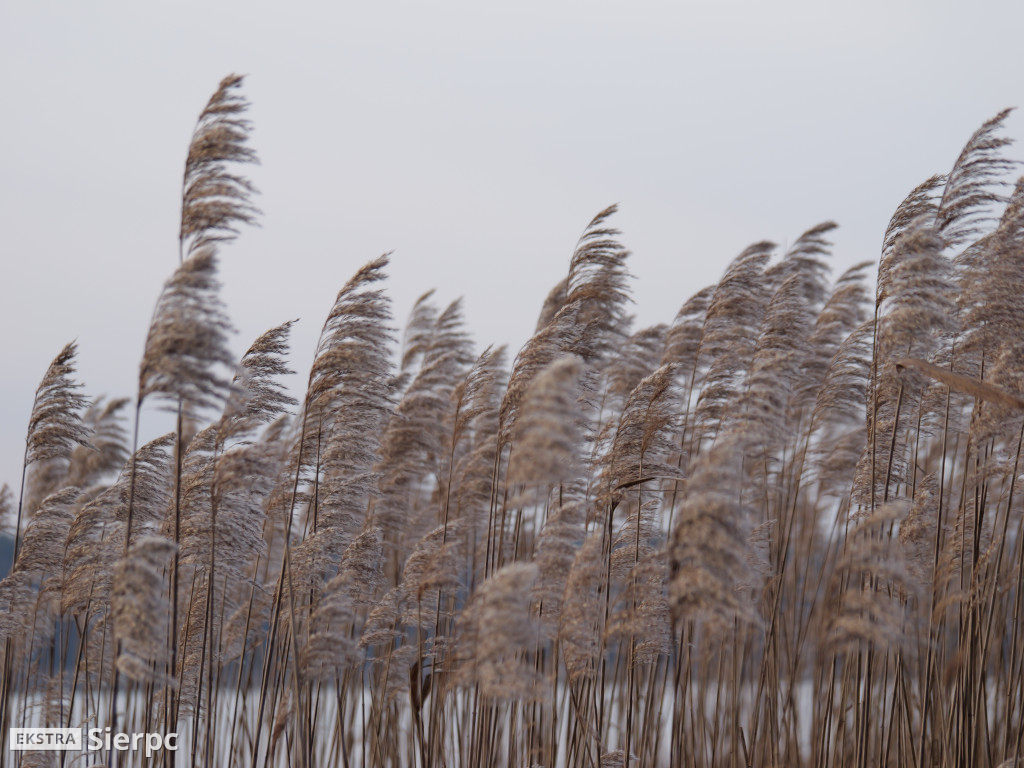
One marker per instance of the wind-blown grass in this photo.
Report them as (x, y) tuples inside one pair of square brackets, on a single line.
[(780, 529)]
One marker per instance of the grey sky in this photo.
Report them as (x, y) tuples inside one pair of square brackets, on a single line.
[(474, 139)]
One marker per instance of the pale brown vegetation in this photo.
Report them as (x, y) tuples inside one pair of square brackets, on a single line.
[(782, 529)]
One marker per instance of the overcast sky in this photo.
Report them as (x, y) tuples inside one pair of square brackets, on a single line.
[(473, 139)]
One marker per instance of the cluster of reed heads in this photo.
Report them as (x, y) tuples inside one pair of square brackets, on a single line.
[(780, 530)]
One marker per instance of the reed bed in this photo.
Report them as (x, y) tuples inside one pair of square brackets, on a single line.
[(781, 529)]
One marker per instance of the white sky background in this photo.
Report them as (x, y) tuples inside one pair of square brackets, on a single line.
[(476, 140)]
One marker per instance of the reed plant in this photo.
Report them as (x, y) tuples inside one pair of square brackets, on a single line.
[(780, 529)]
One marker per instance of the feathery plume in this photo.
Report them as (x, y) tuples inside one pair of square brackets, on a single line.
[(683, 337), (920, 305), (419, 329), (869, 589), (643, 439), (474, 394), (496, 630), (992, 311), (993, 268), (710, 566), (540, 351), (96, 539), (730, 332), (553, 302), (918, 531), (348, 401), (968, 195), (258, 397), (560, 538), (843, 393), (579, 631), (334, 635), (914, 320), (415, 441), (188, 339), (921, 205), (40, 554), (138, 594), (16, 590), (639, 355), (355, 329), (55, 426), (806, 255), (843, 313), (108, 445), (778, 365), (599, 283), (213, 201), (547, 433), (432, 566), (467, 476)]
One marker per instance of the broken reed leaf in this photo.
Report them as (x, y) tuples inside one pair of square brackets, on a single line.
[(969, 385)]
